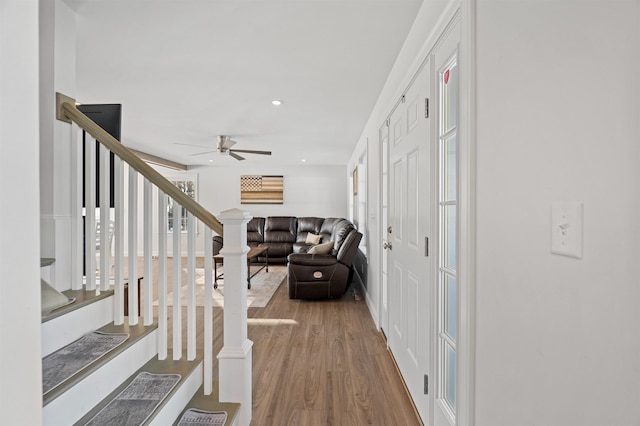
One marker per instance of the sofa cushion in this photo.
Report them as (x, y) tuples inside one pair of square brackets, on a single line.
[(347, 252), (327, 227), (340, 232), (278, 252), (308, 225), (255, 231), (321, 248), (280, 229)]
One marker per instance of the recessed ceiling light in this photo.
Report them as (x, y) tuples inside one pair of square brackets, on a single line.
[(303, 160), (211, 161), (276, 102)]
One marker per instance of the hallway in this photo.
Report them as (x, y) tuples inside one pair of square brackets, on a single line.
[(318, 363)]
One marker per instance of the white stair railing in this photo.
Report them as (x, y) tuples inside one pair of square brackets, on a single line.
[(235, 357)]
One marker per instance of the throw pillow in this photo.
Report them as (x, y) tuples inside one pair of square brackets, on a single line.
[(321, 248), (313, 238)]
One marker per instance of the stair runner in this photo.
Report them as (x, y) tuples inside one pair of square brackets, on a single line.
[(137, 402), (65, 363), (69, 365), (141, 397)]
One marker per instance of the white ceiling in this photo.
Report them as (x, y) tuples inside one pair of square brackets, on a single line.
[(188, 70)]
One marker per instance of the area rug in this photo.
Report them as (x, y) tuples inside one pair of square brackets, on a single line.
[(137, 402), (195, 417), (263, 286), (64, 363)]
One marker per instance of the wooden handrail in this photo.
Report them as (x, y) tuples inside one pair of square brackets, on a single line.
[(159, 161), (67, 111)]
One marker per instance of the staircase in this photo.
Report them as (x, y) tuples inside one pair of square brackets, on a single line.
[(84, 394), (79, 398), (111, 389)]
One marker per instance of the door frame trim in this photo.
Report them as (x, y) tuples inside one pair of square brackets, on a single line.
[(383, 318), (466, 348)]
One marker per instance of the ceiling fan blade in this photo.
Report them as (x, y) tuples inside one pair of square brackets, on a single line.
[(188, 144), (251, 151), (201, 153), (236, 156)]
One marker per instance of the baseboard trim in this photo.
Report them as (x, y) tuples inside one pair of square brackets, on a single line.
[(404, 385)]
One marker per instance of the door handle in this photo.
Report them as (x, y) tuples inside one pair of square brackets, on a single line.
[(387, 246)]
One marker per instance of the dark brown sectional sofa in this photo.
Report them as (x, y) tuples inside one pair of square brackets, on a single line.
[(310, 276)]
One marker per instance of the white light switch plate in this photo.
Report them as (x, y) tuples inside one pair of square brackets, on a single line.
[(566, 229)]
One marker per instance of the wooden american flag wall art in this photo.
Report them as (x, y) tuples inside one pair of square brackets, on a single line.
[(257, 189)]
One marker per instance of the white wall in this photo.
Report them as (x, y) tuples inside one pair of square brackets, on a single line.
[(320, 191), (20, 374), (557, 337)]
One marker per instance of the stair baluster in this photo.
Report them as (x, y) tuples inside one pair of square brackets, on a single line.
[(177, 285), (104, 236), (147, 308), (118, 285), (191, 287), (76, 208), (163, 316), (132, 255), (90, 212)]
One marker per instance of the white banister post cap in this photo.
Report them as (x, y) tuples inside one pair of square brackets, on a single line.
[(234, 215)]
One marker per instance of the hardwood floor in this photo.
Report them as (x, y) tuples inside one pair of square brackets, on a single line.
[(319, 363), (324, 363)]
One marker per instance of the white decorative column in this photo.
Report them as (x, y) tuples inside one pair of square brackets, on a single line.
[(234, 360)]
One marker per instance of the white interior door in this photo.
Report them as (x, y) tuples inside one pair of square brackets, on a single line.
[(383, 138), (410, 283)]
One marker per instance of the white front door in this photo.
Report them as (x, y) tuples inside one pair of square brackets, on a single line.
[(409, 273)]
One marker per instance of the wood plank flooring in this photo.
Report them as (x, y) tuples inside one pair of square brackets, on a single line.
[(326, 365), (318, 363)]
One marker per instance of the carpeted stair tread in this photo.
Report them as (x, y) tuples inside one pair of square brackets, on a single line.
[(136, 404), (82, 298), (182, 367), (210, 403), (135, 333)]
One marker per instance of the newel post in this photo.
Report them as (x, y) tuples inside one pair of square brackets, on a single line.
[(234, 360)]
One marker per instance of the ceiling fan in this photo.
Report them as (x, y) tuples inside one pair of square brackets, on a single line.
[(224, 148)]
